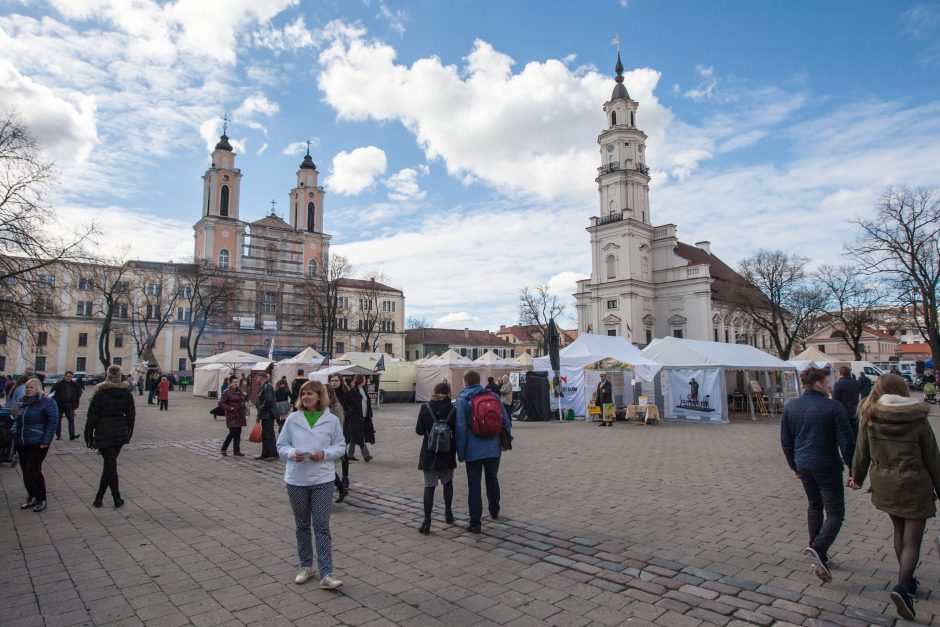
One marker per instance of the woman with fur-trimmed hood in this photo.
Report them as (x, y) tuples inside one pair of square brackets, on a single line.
[(109, 426), (898, 444)]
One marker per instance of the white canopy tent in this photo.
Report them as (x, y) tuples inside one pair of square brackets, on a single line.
[(452, 366), (344, 370), (489, 358), (307, 360), (814, 358), (588, 350), (697, 376), (209, 372), (525, 359)]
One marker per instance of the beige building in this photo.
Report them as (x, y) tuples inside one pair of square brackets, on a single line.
[(878, 345), (420, 343)]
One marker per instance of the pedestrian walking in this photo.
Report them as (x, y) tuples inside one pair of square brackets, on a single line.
[(16, 391), (163, 394), (109, 426), (359, 419), (480, 420), (267, 409), (897, 443), (67, 394), (295, 386), (311, 441), (492, 386), (336, 408), (847, 391), (814, 432), (437, 424), (505, 393), (34, 424), (236, 416), (282, 402), (153, 380)]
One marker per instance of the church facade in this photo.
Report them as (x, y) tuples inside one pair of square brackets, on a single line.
[(644, 282)]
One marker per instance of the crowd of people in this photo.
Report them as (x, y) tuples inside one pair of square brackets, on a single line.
[(877, 431)]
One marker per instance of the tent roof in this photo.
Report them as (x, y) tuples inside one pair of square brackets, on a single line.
[(489, 358), (360, 356), (525, 359), (590, 348), (450, 358), (812, 354), (229, 357), (347, 369), (673, 351), (306, 356)]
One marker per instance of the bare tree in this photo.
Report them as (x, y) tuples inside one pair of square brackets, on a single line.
[(902, 243), (154, 302), (778, 296), (322, 292), (415, 322), (108, 283), (29, 253), (205, 292), (854, 302), (537, 306), (373, 310)]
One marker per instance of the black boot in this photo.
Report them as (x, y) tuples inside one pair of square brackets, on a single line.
[(448, 500), (425, 527)]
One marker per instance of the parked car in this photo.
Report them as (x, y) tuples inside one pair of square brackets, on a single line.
[(80, 376), (95, 379), (52, 379)]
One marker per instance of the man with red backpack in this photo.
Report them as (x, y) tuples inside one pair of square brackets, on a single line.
[(481, 419)]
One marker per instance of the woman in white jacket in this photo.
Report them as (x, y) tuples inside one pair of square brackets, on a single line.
[(311, 440)]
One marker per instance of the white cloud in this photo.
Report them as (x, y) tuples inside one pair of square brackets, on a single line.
[(395, 19), (707, 84), (298, 148), (565, 283), (354, 172), (261, 150), (403, 185), (256, 104), (457, 320)]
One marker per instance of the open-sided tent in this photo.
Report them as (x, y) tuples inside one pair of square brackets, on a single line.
[(618, 356), (813, 358), (452, 366), (306, 360), (209, 372), (525, 359), (344, 370), (698, 377)]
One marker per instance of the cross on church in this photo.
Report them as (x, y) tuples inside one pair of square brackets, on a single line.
[(225, 123), (616, 42), (308, 146), (273, 205)]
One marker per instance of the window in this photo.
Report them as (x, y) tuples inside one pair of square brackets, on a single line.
[(649, 336), (48, 279), (342, 324), (117, 361), (763, 341), (223, 201), (612, 332), (312, 268), (716, 333), (611, 304), (342, 302), (3, 363), (154, 289), (184, 292), (42, 338), (388, 326), (632, 119), (220, 346), (184, 342), (80, 363), (340, 348), (475, 353), (83, 339), (311, 217), (153, 312), (122, 287), (120, 310), (365, 304), (613, 118), (388, 349), (822, 348), (40, 363), (269, 303), (388, 306), (184, 314), (677, 333), (44, 305), (83, 308), (270, 259), (181, 364), (3, 340), (463, 352), (611, 266), (118, 340), (223, 259)]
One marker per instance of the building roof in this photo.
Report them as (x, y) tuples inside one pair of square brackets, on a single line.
[(307, 163), (223, 143), (364, 284), (459, 337), (918, 348), (272, 220), (620, 90), (522, 332), (725, 281), (881, 334)]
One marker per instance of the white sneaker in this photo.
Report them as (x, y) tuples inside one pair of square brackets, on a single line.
[(330, 582), (304, 574)]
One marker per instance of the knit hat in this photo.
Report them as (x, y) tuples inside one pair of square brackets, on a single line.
[(114, 374)]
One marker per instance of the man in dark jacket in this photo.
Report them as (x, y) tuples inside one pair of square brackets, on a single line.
[(67, 393), (864, 385), (295, 386), (266, 414), (813, 432), (847, 391)]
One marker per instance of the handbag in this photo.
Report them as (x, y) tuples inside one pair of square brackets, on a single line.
[(283, 408), (255, 435), (505, 440)]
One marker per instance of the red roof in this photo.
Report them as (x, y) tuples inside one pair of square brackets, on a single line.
[(878, 333), (454, 337), (362, 284), (523, 333), (919, 348)]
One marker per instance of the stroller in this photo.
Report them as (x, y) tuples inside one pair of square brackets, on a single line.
[(930, 392), (7, 450)]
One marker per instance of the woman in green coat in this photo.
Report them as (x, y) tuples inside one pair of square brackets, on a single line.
[(897, 442)]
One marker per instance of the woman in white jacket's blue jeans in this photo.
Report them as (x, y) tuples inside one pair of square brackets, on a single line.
[(311, 440)]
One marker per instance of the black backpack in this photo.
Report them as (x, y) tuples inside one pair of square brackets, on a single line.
[(440, 435)]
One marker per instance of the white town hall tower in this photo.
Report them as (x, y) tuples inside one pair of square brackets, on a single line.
[(644, 282)]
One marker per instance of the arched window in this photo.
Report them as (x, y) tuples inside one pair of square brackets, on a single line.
[(312, 268), (611, 266), (610, 207), (223, 201), (632, 119), (613, 118), (270, 258), (208, 199), (311, 217), (223, 259)]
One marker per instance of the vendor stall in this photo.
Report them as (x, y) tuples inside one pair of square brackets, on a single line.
[(209, 372), (451, 367), (306, 360)]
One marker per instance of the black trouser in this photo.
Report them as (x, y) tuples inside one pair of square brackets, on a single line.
[(163, 405), (69, 413), (150, 394), (31, 458), (109, 475), (234, 436), (268, 442), (824, 492)]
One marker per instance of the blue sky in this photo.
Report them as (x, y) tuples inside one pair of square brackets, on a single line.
[(457, 140)]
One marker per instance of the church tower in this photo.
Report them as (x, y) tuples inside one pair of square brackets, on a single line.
[(306, 216), (219, 233)]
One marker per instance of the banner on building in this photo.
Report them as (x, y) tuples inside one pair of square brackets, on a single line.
[(246, 323), (696, 394)]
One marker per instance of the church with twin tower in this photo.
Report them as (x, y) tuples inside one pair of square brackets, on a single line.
[(644, 282)]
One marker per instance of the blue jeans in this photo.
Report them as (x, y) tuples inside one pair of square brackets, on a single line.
[(475, 470), (824, 492)]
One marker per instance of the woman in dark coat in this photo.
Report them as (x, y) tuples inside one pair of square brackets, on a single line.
[(341, 393), (34, 424), (282, 402), (898, 444), (438, 466), (233, 404), (109, 426), (359, 419)]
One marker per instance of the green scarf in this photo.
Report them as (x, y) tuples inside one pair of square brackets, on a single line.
[(312, 417)]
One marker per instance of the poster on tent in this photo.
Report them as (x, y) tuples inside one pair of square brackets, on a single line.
[(572, 385), (695, 394)]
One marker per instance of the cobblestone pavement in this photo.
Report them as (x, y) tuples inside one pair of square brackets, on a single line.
[(668, 525)]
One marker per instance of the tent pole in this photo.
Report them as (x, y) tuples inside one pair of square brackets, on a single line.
[(750, 396)]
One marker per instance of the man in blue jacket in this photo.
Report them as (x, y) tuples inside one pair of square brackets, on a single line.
[(481, 455), (813, 433)]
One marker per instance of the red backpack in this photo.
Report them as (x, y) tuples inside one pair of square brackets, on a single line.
[(486, 415)]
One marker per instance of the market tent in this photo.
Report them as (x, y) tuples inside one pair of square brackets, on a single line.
[(229, 358), (616, 355), (452, 366), (306, 360), (344, 370), (489, 358), (525, 359), (694, 382), (209, 378), (450, 358)]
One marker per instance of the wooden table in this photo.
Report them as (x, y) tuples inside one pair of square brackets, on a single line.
[(646, 414)]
